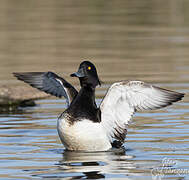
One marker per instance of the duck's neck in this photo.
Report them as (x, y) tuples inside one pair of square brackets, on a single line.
[(86, 97), (84, 104)]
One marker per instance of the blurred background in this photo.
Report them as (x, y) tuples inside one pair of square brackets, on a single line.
[(128, 39), (125, 39)]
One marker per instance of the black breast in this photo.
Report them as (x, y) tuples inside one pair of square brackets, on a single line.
[(84, 107)]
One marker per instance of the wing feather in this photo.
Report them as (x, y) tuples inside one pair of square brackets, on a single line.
[(124, 98), (50, 83)]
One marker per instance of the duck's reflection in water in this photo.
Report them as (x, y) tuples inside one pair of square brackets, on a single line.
[(95, 165)]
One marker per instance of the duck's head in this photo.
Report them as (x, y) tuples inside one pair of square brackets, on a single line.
[(87, 74)]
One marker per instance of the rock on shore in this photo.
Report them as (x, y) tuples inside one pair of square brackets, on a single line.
[(13, 96)]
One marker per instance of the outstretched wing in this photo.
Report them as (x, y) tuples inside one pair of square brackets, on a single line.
[(50, 83), (124, 98)]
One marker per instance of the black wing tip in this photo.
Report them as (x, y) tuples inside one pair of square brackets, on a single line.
[(16, 74), (27, 75), (172, 95), (177, 96), (19, 76), (174, 98)]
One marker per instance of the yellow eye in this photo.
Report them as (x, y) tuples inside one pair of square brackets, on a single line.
[(89, 68)]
